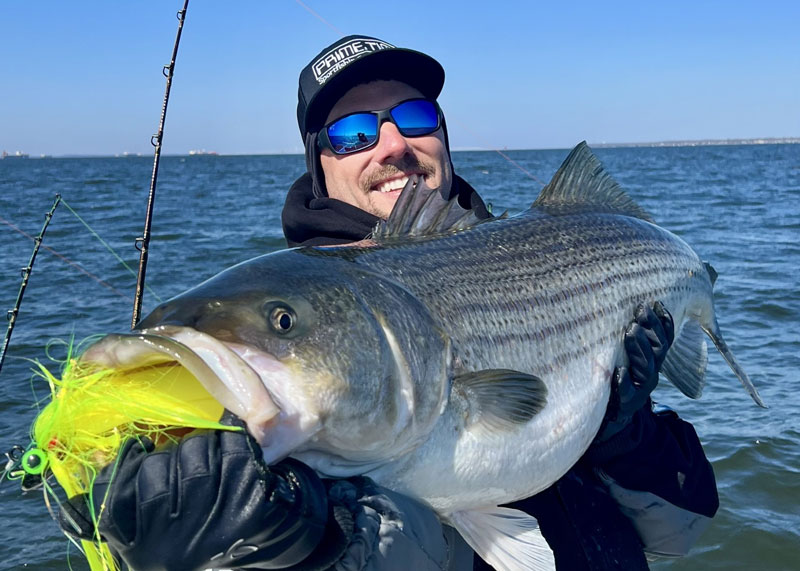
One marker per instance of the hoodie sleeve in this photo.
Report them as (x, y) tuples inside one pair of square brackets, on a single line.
[(391, 532), (659, 476)]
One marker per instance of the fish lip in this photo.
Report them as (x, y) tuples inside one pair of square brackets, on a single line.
[(188, 347)]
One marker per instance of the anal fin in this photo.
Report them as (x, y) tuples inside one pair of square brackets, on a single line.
[(507, 539)]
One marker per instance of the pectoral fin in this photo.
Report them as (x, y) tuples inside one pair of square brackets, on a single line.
[(499, 400), (505, 538)]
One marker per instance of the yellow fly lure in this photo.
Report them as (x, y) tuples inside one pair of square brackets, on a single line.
[(92, 412)]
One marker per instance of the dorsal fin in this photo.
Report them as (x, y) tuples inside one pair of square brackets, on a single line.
[(421, 211), (582, 181)]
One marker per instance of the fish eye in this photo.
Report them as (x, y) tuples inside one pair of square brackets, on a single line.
[(282, 319)]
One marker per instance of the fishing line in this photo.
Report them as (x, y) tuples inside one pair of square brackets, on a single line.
[(108, 247), (68, 261), (320, 18), (506, 157), (143, 242), (26, 274)]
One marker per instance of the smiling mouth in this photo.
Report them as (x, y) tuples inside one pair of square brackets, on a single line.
[(395, 184)]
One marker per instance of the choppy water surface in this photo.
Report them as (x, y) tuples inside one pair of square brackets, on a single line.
[(738, 206)]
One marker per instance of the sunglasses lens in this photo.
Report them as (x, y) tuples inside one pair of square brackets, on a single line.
[(353, 133), (416, 117)]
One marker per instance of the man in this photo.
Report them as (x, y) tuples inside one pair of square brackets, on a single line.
[(369, 120)]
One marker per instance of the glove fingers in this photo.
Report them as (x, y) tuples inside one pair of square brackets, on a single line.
[(626, 391), (75, 518), (114, 492), (630, 397), (178, 475), (659, 328), (665, 318), (640, 356), (647, 318)]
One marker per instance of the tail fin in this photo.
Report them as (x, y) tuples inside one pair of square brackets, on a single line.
[(715, 336)]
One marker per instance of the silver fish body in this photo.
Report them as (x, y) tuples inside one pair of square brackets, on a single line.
[(466, 368), (547, 295)]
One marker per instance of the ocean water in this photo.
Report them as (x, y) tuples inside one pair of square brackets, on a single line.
[(738, 206)]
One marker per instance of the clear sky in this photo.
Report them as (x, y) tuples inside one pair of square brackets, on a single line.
[(84, 77)]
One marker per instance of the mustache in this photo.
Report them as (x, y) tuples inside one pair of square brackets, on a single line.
[(406, 164)]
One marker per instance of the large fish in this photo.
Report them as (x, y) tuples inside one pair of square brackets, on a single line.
[(466, 364)]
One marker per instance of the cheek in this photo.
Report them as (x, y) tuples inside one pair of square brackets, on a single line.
[(340, 173), (432, 151), (432, 147)]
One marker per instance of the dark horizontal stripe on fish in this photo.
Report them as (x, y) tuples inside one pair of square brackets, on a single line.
[(554, 362), (471, 303), (505, 270)]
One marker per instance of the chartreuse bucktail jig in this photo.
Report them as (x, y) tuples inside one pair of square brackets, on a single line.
[(27, 465)]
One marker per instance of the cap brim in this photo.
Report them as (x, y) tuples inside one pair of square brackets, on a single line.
[(416, 69)]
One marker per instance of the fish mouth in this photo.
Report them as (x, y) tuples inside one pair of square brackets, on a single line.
[(223, 369)]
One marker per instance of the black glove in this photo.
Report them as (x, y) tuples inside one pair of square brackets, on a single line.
[(647, 340), (209, 501)]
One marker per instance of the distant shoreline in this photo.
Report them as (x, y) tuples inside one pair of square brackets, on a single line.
[(688, 143), (705, 142)]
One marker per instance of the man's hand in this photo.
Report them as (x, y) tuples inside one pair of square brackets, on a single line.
[(647, 340), (208, 501)]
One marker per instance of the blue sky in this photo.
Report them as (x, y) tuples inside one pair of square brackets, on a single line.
[(85, 77)]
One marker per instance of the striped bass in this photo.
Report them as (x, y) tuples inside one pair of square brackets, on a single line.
[(465, 363)]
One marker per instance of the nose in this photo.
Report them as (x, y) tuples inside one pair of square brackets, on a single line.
[(391, 144)]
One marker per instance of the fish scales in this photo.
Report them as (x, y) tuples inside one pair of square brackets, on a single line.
[(518, 294), (500, 290), (465, 368)]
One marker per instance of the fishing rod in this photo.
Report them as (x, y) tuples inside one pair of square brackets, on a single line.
[(26, 274), (143, 242)]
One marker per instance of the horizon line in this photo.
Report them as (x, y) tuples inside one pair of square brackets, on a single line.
[(599, 145)]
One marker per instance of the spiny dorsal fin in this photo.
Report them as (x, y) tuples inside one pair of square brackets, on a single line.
[(500, 400), (421, 211), (582, 181)]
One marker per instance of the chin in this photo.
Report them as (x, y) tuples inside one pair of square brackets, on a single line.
[(383, 205)]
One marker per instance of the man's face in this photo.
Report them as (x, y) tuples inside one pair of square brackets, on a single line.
[(373, 179)]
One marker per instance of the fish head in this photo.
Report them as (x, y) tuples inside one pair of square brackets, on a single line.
[(315, 354)]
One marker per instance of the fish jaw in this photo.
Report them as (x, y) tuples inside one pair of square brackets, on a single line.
[(237, 376), (299, 417)]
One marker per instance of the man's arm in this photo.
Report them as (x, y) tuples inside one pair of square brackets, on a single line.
[(659, 476), (653, 463)]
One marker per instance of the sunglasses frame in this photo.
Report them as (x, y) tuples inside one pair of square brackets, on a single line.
[(383, 115)]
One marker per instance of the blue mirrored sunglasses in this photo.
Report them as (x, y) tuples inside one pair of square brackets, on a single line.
[(359, 131)]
